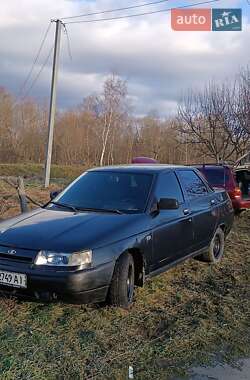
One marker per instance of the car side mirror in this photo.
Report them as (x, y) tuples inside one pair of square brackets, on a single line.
[(54, 194), (168, 204)]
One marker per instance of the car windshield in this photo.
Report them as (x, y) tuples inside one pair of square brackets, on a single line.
[(215, 176), (107, 190)]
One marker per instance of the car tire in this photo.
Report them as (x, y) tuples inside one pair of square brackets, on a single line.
[(238, 213), (121, 290), (216, 248)]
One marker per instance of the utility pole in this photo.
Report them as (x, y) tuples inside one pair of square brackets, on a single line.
[(52, 109)]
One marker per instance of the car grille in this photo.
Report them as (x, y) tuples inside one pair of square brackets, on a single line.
[(15, 258), (16, 255)]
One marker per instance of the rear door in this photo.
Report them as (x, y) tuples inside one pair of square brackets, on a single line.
[(172, 229), (202, 206)]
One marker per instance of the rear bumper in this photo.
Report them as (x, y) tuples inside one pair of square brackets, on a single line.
[(241, 204), (85, 286)]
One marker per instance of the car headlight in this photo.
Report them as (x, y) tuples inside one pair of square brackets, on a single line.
[(82, 259)]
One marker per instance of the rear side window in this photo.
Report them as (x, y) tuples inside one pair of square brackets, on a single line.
[(168, 187), (216, 176), (192, 183)]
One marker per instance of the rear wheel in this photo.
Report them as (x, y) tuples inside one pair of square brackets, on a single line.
[(238, 212), (216, 248), (121, 291)]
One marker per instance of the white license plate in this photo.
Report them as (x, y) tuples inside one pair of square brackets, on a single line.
[(17, 280)]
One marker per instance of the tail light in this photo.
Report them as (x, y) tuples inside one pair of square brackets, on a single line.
[(236, 193)]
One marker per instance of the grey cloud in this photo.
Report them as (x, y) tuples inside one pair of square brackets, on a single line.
[(159, 64)]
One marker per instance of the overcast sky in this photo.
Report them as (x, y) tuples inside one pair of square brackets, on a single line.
[(158, 63)]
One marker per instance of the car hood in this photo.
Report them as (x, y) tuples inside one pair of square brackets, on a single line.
[(67, 231)]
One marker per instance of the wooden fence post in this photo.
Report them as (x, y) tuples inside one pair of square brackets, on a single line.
[(22, 195)]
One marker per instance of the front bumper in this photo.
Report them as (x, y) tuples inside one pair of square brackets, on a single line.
[(84, 286)]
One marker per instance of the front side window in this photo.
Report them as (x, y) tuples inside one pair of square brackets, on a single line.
[(192, 183), (168, 187), (127, 192)]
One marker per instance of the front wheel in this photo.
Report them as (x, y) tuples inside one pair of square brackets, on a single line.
[(121, 291), (216, 248)]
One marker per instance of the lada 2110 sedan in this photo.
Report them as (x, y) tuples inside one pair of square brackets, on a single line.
[(111, 229)]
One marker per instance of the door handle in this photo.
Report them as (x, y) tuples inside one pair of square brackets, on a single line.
[(186, 211)]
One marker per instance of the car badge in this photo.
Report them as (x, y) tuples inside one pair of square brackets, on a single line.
[(11, 252)]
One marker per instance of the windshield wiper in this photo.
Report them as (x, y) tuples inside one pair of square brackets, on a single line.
[(69, 207), (113, 211), (77, 209)]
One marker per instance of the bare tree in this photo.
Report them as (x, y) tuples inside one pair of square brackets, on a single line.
[(207, 120), (242, 102), (212, 124), (6, 124), (112, 106)]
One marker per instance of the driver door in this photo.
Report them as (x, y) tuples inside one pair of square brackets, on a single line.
[(173, 234)]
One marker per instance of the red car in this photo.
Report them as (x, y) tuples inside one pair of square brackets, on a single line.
[(222, 176), (144, 160)]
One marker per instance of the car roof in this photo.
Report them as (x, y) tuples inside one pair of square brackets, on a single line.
[(140, 168), (211, 166)]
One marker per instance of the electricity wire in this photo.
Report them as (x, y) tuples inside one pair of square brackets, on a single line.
[(38, 74), (142, 14), (22, 87), (68, 41), (116, 9)]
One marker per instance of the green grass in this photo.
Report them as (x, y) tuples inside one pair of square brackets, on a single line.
[(194, 314)]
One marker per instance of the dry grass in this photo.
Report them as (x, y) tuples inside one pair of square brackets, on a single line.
[(193, 314), (30, 170)]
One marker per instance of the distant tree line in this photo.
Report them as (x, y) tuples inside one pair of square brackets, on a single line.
[(211, 125)]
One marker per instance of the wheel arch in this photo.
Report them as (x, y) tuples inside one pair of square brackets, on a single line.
[(139, 264), (222, 226), (225, 228)]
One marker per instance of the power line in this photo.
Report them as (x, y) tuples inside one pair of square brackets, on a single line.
[(117, 9), (68, 41), (22, 87), (38, 74), (142, 14)]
